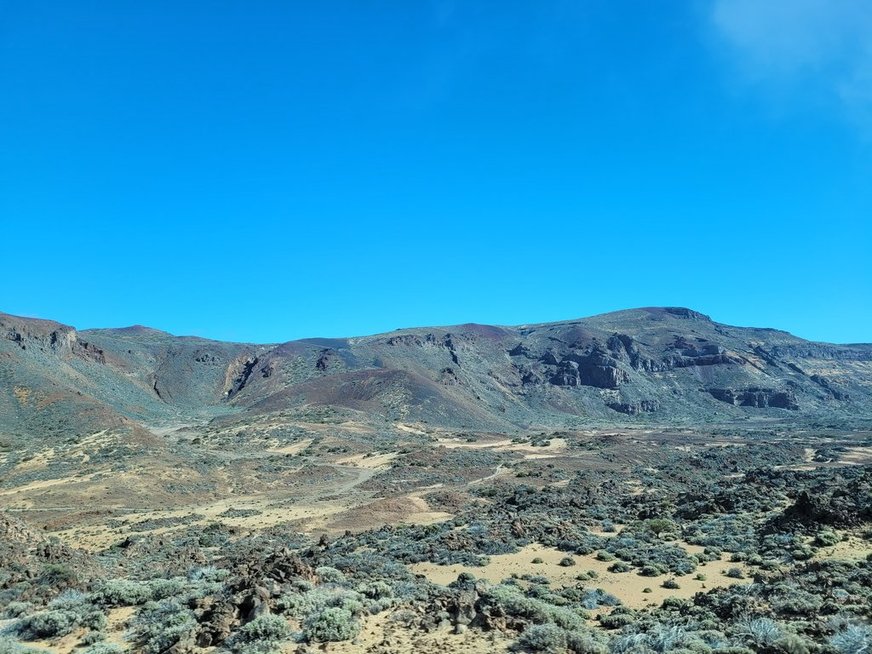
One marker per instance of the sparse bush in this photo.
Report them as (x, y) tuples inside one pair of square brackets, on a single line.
[(123, 592), (46, 624), (826, 538), (161, 625), (547, 638), (620, 566), (329, 575), (331, 624), (16, 609), (263, 634), (735, 573), (760, 632), (69, 610), (11, 646), (853, 639), (670, 584), (567, 561), (104, 648)]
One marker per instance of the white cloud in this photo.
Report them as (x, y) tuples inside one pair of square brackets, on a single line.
[(825, 45)]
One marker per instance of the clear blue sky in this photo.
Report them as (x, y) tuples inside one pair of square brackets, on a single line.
[(264, 171)]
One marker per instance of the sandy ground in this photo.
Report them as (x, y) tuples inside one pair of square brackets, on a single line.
[(627, 586)]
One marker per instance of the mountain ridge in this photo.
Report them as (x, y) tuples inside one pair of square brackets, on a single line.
[(651, 364)]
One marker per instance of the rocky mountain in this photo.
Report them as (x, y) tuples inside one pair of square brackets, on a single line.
[(659, 365)]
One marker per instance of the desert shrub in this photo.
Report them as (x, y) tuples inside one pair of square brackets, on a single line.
[(160, 625), (92, 637), (46, 624), (852, 639), (542, 638), (567, 561), (826, 538), (597, 597), (123, 592), (16, 609), (331, 624), (513, 602), (620, 566), (302, 605), (58, 575), (11, 646), (103, 648), (759, 632), (163, 588), (650, 571), (584, 642), (792, 644), (537, 560), (735, 573), (330, 575), (659, 526), (617, 619), (607, 526), (377, 590), (662, 638), (208, 574), (263, 634), (670, 584), (69, 610), (795, 601)]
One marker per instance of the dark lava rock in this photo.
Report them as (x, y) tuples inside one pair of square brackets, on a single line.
[(634, 408), (756, 397)]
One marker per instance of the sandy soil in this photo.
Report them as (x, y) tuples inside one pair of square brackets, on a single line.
[(626, 586)]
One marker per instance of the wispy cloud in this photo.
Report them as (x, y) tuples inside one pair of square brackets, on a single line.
[(825, 45)]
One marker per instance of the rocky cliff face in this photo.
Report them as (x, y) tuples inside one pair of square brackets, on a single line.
[(653, 365)]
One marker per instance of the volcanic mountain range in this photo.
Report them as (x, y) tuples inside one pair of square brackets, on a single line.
[(661, 365)]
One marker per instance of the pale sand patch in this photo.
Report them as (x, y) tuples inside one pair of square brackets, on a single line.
[(555, 446), (270, 513), (850, 548), (857, 456), (293, 448), (48, 483), (411, 429), (627, 586), (372, 461)]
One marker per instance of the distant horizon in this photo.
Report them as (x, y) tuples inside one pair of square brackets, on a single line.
[(434, 325), (281, 169)]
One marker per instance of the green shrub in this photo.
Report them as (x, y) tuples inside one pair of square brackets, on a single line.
[(671, 584), (104, 648), (567, 561), (123, 592), (542, 638), (263, 634), (853, 639), (329, 575), (11, 646), (161, 625), (620, 566), (16, 609), (331, 624), (826, 538), (46, 624)]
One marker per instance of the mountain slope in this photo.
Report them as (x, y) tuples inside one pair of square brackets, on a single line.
[(659, 365)]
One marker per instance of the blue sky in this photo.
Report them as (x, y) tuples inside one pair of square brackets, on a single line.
[(274, 170)]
